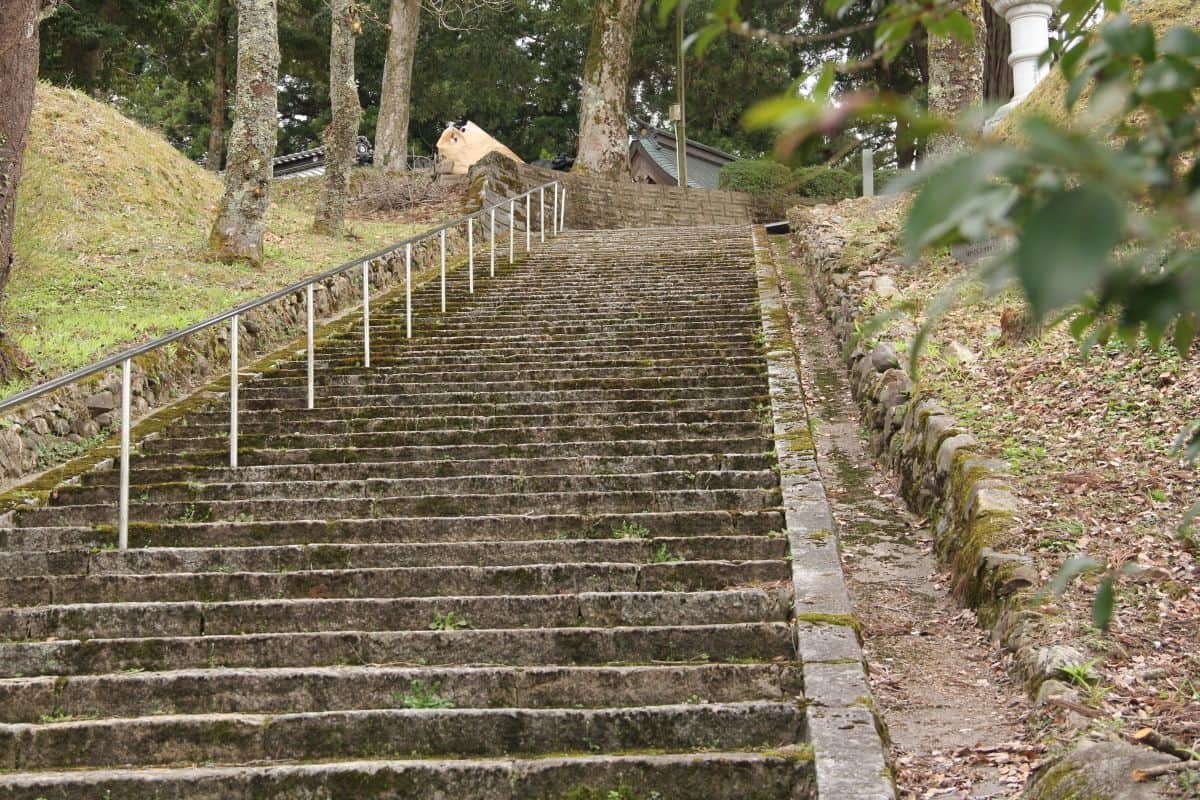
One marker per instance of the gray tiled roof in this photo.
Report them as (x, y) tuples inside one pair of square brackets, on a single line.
[(702, 172)]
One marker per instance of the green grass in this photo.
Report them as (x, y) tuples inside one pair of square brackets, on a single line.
[(111, 229)]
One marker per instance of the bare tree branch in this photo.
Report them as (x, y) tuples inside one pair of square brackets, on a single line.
[(462, 15)]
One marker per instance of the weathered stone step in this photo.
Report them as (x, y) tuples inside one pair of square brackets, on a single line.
[(143, 473), (405, 453), (743, 643), (387, 423), (387, 733), (280, 507), (394, 391), (293, 558), (485, 347), (399, 529), (446, 581), (500, 373), (400, 487), (335, 365), (265, 691), (654, 432), (587, 609), (783, 774)]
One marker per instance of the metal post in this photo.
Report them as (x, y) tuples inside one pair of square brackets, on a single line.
[(528, 220), (471, 255), (554, 212), (681, 141), (366, 270), (492, 242), (123, 503), (562, 225), (312, 394), (408, 289), (512, 228), (868, 159), (542, 211), (233, 392), (443, 237)]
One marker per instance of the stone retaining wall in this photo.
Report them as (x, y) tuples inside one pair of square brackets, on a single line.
[(595, 203), (63, 424), (943, 471)]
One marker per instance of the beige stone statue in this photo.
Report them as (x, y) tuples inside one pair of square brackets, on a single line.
[(460, 148)]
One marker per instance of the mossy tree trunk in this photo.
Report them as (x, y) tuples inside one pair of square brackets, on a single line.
[(19, 45), (220, 97), (238, 231), (391, 129), (997, 74), (956, 76), (341, 137), (604, 106)]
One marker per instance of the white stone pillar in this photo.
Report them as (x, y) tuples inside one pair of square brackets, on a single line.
[(1029, 23)]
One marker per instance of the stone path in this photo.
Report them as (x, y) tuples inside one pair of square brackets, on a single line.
[(537, 552)]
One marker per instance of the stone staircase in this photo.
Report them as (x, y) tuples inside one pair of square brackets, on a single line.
[(535, 552)]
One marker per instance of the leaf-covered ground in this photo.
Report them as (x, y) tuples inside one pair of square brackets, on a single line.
[(1090, 442)]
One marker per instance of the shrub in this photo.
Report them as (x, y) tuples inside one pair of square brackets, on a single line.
[(760, 178), (826, 183)]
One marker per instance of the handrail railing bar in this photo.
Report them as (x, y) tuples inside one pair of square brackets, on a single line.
[(111, 361)]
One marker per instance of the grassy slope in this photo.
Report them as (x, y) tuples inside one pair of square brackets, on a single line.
[(110, 238), (1047, 99)]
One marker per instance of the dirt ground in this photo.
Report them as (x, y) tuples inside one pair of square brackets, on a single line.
[(959, 727)]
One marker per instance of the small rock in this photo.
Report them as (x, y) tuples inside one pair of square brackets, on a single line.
[(883, 358), (885, 287), (1100, 770), (962, 354), (1052, 661), (101, 401), (1056, 690)]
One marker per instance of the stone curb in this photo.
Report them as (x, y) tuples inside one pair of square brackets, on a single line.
[(944, 473), (849, 749)]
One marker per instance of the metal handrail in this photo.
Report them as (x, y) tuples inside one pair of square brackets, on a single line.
[(125, 358)]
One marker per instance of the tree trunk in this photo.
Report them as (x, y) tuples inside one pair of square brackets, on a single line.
[(956, 76), (241, 220), (391, 130), (341, 136), (603, 112), (19, 43), (220, 97), (997, 74)]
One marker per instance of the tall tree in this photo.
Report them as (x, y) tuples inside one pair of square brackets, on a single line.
[(604, 101), (241, 219), (19, 41), (216, 117), (956, 75), (395, 103), (341, 137)]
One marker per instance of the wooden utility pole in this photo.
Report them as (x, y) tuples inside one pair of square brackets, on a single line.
[(681, 78)]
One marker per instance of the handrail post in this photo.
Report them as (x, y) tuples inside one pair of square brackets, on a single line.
[(528, 221), (123, 502), (563, 212), (512, 228), (443, 238), (233, 392), (492, 243), (408, 290), (471, 255), (312, 394), (542, 211), (366, 281), (554, 212)]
